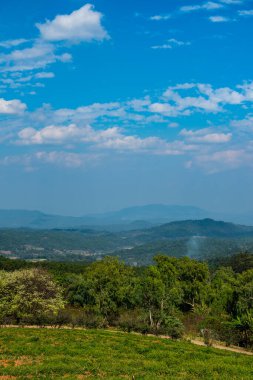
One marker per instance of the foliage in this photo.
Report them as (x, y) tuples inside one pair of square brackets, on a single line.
[(28, 295), (171, 297)]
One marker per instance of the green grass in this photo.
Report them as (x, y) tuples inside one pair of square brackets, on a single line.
[(102, 354)]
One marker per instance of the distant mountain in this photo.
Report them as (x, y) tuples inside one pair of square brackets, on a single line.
[(128, 218), (132, 218), (155, 213), (35, 219), (202, 239), (194, 228)]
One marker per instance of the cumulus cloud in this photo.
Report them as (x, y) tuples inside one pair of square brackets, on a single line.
[(11, 107), (107, 128), (204, 99), (83, 24), (108, 140), (180, 100), (111, 138), (205, 136)]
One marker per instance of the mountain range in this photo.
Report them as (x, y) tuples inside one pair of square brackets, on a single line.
[(131, 218)]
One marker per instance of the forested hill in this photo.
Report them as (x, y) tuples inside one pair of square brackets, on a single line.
[(204, 227), (195, 238)]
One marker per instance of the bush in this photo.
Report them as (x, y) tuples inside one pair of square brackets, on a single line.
[(221, 329), (133, 320), (172, 326)]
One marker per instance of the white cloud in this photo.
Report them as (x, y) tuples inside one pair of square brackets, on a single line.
[(209, 6), (173, 125), (219, 161), (163, 108), (38, 50), (38, 56), (83, 24), (205, 98), (164, 46), (205, 136), (32, 161), (244, 124), (113, 124), (219, 19), (171, 43), (245, 13), (12, 43), (106, 140), (66, 159), (44, 75), (174, 41), (11, 107), (160, 17), (52, 135), (111, 138), (231, 2), (180, 100)]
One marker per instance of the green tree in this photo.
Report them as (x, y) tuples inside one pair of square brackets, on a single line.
[(194, 278), (29, 295), (223, 283), (111, 285)]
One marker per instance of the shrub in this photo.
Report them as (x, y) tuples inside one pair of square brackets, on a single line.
[(172, 326), (133, 320)]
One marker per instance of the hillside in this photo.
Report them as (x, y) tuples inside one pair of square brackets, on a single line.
[(190, 228), (58, 244), (208, 248), (195, 238), (79, 354)]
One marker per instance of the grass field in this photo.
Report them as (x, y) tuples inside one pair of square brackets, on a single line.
[(101, 354)]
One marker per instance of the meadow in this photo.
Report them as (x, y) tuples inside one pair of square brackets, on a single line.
[(37, 353)]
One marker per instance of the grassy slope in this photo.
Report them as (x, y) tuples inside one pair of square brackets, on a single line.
[(78, 354)]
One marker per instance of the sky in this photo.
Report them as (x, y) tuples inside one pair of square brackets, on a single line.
[(110, 104)]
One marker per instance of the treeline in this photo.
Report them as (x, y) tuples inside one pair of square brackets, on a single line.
[(172, 297)]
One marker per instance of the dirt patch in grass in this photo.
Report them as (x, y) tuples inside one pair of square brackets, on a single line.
[(84, 376), (5, 363), (23, 360)]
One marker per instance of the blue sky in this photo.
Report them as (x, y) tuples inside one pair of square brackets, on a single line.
[(109, 104)]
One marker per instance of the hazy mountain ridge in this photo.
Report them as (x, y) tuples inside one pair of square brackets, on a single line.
[(206, 227), (137, 217)]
